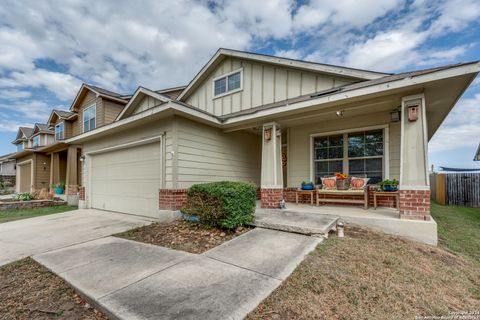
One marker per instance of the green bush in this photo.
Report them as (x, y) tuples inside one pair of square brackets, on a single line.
[(24, 196), (224, 204)]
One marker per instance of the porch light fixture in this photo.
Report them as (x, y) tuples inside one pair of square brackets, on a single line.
[(339, 113), (267, 134), (395, 115)]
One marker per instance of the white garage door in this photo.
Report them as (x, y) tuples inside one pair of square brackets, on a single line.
[(127, 180)]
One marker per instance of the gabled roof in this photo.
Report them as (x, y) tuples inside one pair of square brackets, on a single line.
[(61, 114), (23, 134), (99, 92), (222, 53), (41, 128), (139, 94), (7, 157), (172, 93), (477, 155)]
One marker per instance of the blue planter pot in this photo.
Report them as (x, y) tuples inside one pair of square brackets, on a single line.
[(308, 187), (58, 190), (390, 188), (191, 218)]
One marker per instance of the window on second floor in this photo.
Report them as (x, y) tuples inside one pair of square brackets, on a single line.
[(89, 118), (20, 147), (228, 83), (59, 131), (35, 141)]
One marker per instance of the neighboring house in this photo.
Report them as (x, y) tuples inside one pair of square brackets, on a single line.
[(276, 122), (7, 165), (477, 155)]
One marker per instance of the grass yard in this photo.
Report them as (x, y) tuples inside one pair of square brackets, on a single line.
[(17, 214), (29, 291), (458, 229), (369, 275)]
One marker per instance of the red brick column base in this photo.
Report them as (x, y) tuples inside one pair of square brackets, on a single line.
[(172, 199), (415, 204), (81, 191), (271, 197)]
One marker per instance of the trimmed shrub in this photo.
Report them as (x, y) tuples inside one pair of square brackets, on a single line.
[(224, 204)]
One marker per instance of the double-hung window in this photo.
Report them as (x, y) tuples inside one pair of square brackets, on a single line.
[(20, 147), (89, 119), (59, 131), (229, 83), (36, 141), (356, 153)]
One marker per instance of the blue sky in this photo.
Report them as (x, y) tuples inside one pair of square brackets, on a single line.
[(47, 49)]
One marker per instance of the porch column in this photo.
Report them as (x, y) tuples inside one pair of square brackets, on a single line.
[(71, 183), (414, 180), (272, 175)]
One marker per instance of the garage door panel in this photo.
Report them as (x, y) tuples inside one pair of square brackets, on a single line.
[(127, 180)]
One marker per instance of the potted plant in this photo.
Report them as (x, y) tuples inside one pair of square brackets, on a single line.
[(308, 185), (343, 182), (59, 188), (389, 185)]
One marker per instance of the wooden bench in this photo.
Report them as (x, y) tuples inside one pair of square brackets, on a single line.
[(337, 194)]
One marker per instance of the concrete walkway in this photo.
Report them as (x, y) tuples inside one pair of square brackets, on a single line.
[(132, 280), (23, 238)]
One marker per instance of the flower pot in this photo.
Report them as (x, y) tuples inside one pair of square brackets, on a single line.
[(343, 184), (308, 187), (390, 187), (58, 190)]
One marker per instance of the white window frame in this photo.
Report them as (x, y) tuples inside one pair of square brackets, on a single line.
[(94, 106), (226, 76), (63, 130), (33, 141), (386, 149)]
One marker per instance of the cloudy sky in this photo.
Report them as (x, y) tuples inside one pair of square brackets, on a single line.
[(48, 48)]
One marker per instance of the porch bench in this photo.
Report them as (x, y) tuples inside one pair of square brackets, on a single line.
[(337, 194)]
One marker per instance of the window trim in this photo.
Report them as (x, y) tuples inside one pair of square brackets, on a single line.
[(33, 141), (226, 76), (63, 131), (386, 148), (83, 117)]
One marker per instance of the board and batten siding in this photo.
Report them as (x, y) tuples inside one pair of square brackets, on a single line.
[(149, 130), (206, 154), (298, 150), (146, 103), (262, 84)]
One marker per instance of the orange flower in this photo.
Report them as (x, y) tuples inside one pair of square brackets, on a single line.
[(341, 176)]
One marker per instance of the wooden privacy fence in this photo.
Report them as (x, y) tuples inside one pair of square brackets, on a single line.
[(456, 189)]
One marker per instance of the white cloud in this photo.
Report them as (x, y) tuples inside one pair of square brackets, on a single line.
[(14, 94), (461, 127)]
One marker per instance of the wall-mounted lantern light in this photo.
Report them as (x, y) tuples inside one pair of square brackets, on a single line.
[(267, 134), (395, 115)]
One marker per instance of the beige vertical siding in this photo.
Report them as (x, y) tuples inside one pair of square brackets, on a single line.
[(41, 171), (146, 131), (207, 154), (299, 143), (146, 103), (262, 84)]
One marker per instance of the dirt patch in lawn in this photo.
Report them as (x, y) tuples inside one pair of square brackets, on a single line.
[(29, 291), (369, 275), (182, 235)]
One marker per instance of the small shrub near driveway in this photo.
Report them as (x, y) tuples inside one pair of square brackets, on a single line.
[(224, 204)]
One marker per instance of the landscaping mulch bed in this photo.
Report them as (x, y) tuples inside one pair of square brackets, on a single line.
[(369, 275), (29, 291), (182, 235)]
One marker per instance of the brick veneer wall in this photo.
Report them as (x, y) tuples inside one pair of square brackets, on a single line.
[(172, 199), (271, 197), (81, 191), (415, 204)]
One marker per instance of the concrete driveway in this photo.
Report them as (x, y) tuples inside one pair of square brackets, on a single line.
[(23, 238)]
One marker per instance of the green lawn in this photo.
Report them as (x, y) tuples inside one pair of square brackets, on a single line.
[(12, 215), (458, 229)]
